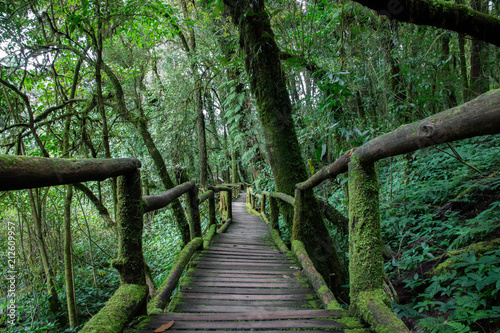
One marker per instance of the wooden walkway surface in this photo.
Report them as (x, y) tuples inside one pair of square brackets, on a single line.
[(244, 283)]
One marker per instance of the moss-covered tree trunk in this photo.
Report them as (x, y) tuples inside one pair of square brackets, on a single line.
[(141, 125), (180, 216), (275, 112), (366, 265)]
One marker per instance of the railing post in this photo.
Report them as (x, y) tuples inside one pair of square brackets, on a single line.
[(229, 205), (194, 212), (274, 215), (211, 209), (263, 204), (297, 214), (130, 260), (366, 266)]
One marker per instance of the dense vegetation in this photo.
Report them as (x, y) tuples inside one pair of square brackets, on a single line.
[(165, 82)]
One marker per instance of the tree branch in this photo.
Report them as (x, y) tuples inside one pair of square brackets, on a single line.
[(440, 14)]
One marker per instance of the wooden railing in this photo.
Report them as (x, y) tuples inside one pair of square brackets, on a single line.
[(129, 300), (478, 117)]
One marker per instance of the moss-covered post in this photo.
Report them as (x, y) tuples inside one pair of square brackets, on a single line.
[(229, 204), (263, 204), (274, 215), (366, 266), (211, 209), (194, 212), (130, 260)]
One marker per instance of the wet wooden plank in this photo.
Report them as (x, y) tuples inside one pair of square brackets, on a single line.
[(231, 284), (271, 315), (228, 309), (261, 324), (249, 330), (244, 279), (290, 297), (247, 271), (255, 305), (246, 291)]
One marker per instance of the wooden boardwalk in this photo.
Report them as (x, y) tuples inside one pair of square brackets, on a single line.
[(244, 283)]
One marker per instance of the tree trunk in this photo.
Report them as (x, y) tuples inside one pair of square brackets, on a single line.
[(478, 81), (54, 302), (68, 260), (275, 112), (202, 142), (68, 255)]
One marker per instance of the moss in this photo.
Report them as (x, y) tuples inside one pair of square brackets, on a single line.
[(365, 239), (143, 322), (126, 302), (372, 307), (350, 322), (479, 248), (209, 236), (169, 284), (175, 302), (278, 241), (332, 305), (130, 260), (316, 280)]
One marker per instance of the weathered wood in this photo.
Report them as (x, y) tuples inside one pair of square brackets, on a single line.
[(316, 280), (247, 291), (153, 202), (23, 172), (209, 296), (480, 116), (128, 301), (261, 324), (256, 315), (205, 196), (224, 226), (219, 279), (130, 261), (165, 290), (241, 281), (246, 303), (194, 212), (282, 196), (230, 284), (261, 331), (229, 309)]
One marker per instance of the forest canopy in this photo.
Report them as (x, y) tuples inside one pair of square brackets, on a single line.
[(265, 93)]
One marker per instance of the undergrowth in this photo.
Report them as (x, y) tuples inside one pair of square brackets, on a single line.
[(432, 204)]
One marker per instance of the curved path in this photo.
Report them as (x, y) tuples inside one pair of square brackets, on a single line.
[(242, 282)]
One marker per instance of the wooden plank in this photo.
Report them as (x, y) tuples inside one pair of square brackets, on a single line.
[(260, 331), (237, 258), (245, 284), (245, 271), (255, 305), (244, 278), (291, 297), (272, 315), (228, 309), (245, 261), (249, 253), (255, 275), (246, 291), (252, 265), (262, 324), (241, 256)]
